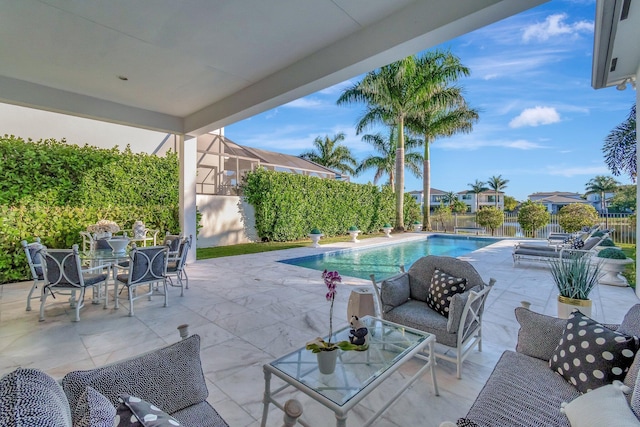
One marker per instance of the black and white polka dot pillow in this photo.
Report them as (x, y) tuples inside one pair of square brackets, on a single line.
[(135, 412), (589, 355), (442, 288)]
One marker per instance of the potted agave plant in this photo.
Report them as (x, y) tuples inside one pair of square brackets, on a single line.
[(613, 262), (327, 351), (575, 278)]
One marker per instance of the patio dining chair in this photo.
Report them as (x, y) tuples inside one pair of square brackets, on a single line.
[(176, 263), (146, 266), (35, 267), (64, 275)]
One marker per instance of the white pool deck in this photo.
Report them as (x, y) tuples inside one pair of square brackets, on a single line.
[(251, 309)]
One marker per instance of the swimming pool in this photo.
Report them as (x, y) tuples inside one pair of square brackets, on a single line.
[(383, 261)]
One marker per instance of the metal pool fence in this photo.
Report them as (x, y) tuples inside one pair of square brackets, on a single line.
[(625, 228)]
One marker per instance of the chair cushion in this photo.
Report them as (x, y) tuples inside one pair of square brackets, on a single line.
[(418, 315), (135, 412), (151, 376), (93, 410), (201, 415), (604, 406), (394, 291), (589, 355), (92, 279), (539, 334), (30, 398), (443, 286)]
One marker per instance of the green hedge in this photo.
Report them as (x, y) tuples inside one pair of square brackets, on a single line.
[(288, 206), (53, 191)]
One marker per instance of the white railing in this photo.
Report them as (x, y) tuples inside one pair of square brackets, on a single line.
[(625, 229)]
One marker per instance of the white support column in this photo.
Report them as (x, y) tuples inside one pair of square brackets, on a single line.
[(188, 158), (637, 193)]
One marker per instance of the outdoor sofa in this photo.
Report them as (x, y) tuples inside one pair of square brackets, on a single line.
[(523, 390), (170, 379)]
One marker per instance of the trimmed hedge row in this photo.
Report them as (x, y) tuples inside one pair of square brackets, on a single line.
[(53, 191), (288, 206)]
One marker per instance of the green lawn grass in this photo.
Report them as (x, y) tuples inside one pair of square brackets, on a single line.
[(254, 248)]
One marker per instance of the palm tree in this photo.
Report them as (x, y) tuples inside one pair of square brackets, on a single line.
[(477, 188), (330, 153), (444, 110), (385, 162), (620, 147), (497, 184), (449, 198), (601, 185), (391, 97)]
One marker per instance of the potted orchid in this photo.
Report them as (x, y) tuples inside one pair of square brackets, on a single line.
[(326, 351)]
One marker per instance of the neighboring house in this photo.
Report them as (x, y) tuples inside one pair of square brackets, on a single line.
[(556, 200), (594, 199), (486, 198)]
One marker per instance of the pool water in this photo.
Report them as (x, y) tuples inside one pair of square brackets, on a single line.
[(384, 261)]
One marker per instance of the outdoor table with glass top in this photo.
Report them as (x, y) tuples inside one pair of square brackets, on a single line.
[(103, 257), (357, 373)]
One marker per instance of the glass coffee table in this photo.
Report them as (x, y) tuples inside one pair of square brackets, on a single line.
[(357, 373)]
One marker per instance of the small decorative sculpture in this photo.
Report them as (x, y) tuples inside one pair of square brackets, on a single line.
[(358, 333), (139, 230)]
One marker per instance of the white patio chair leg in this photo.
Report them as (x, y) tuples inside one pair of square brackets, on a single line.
[(186, 278), (79, 305), (30, 296), (166, 294), (43, 300), (130, 301), (458, 363)]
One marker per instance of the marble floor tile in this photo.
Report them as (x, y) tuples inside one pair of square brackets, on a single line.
[(251, 309)]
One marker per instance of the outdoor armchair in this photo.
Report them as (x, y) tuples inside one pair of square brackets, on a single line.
[(35, 267), (403, 300), (176, 263), (64, 275), (146, 266)]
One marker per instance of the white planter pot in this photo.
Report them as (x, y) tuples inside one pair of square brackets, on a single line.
[(612, 269), (119, 246), (327, 361), (567, 305), (417, 227), (387, 231), (354, 236), (315, 238)]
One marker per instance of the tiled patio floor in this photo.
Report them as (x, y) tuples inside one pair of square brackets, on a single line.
[(251, 309)]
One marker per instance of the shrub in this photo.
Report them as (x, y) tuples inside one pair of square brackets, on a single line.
[(607, 242), (577, 215), (532, 216), (490, 217), (612, 253)]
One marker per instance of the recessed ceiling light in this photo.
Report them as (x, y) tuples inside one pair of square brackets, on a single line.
[(123, 78)]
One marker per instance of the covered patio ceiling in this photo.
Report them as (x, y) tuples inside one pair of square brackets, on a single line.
[(193, 66)]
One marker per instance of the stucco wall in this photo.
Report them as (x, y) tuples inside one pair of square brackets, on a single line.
[(226, 220)]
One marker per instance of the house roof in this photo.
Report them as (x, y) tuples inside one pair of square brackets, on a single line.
[(554, 193), (560, 200), (194, 66)]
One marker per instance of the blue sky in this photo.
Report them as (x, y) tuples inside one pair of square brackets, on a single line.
[(541, 126)]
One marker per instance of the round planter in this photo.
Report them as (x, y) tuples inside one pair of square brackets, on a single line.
[(417, 227), (612, 269), (387, 231), (354, 235), (567, 305), (315, 238), (327, 361)]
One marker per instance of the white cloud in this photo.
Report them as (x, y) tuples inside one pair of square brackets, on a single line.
[(535, 117), (306, 103), (577, 170), (555, 26), (469, 143)]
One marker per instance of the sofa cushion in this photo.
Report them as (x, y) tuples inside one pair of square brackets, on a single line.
[(135, 412), (417, 315), (31, 398), (522, 391), (170, 378), (539, 334), (201, 415), (394, 291), (590, 355), (604, 406), (93, 410), (442, 287)]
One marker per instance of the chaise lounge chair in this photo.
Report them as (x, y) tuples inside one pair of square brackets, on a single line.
[(546, 253)]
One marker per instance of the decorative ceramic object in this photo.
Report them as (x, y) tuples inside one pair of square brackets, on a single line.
[(567, 305), (139, 230), (387, 230), (119, 246), (613, 269), (417, 226), (353, 232), (327, 361)]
